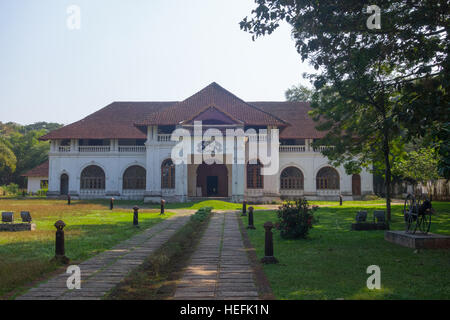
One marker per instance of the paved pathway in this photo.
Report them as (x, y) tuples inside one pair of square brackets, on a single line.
[(103, 272), (219, 268)]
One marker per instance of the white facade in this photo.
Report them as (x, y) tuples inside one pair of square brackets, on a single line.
[(34, 184), (114, 160)]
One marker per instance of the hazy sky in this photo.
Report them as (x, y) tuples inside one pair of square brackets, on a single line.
[(133, 50)]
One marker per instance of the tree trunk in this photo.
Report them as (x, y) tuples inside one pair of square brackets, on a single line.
[(387, 178)]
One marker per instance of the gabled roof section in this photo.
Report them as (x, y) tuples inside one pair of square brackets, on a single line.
[(39, 171), (302, 125), (115, 121), (212, 112), (223, 100)]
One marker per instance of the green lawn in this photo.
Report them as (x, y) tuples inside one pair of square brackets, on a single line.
[(332, 263), (91, 229)]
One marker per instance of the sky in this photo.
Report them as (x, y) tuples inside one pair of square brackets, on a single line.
[(133, 50)]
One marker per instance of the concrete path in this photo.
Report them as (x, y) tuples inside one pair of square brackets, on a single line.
[(103, 272), (219, 268)]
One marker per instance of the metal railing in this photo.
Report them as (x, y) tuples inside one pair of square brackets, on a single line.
[(94, 149), (132, 149)]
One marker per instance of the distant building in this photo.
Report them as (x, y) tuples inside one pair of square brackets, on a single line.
[(37, 178), (124, 151)]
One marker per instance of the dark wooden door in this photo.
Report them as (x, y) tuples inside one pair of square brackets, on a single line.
[(356, 185), (212, 188), (64, 189)]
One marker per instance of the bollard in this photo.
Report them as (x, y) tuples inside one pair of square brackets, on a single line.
[(68, 200), (250, 218), (340, 200), (111, 203), (268, 250), (244, 208), (23, 193), (60, 254), (163, 203), (136, 216)]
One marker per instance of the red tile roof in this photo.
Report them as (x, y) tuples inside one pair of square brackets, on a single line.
[(126, 120), (223, 100), (296, 113), (112, 122), (39, 171)]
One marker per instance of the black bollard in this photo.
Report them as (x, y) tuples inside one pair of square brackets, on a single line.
[(163, 203), (268, 250), (60, 252), (68, 200), (111, 203), (250, 218), (23, 193), (136, 216), (340, 200), (244, 208)]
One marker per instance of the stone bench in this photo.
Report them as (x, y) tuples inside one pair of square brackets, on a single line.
[(8, 224), (379, 221)]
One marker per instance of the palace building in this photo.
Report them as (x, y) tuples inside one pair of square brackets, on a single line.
[(125, 151)]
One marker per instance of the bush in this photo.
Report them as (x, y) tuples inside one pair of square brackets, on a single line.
[(12, 188), (295, 219), (42, 192), (202, 214), (369, 197)]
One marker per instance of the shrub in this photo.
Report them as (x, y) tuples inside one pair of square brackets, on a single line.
[(202, 214), (369, 197), (42, 192), (295, 219), (12, 188)]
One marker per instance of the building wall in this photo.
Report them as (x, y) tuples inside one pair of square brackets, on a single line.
[(34, 184), (114, 165)]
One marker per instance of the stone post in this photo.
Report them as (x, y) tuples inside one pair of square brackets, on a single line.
[(250, 218), (60, 254), (163, 203), (111, 203), (136, 216), (244, 208), (268, 250)]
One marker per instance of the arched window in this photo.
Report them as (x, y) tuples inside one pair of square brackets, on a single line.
[(291, 178), (93, 177), (327, 178), (134, 178), (254, 178), (168, 174)]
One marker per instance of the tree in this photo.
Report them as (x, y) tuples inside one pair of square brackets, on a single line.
[(299, 93), (7, 162), (367, 79), (418, 166)]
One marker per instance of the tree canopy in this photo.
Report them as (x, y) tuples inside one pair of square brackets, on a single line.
[(376, 89), (21, 149)]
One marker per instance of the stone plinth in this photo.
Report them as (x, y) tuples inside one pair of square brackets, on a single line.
[(14, 227), (418, 240), (363, 226)]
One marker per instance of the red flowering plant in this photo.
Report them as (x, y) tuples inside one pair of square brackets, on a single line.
[(295, 219)]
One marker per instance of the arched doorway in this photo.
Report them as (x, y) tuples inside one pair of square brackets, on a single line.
[(213, 180), (327, 179), (291, 178), (134, 178), (92, 178), (64, 186), (356, 185)]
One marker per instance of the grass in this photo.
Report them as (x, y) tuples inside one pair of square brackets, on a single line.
[(332, 263), (156, 278), (91, 228)]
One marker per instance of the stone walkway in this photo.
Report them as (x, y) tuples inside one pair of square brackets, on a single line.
[(103, 272), (220, 268)]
